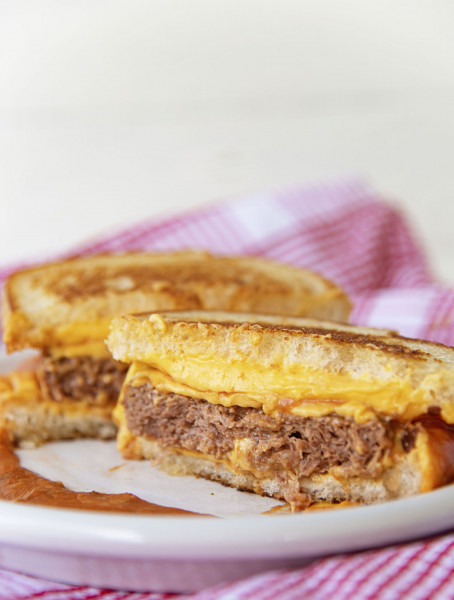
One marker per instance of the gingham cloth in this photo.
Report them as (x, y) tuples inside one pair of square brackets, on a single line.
[(348, 233)]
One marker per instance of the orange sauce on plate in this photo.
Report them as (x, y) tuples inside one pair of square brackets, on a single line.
[(18, 484)]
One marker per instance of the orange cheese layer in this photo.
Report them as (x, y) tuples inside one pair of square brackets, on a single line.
[(96, 349), (80, 339), (80, 332), (317, 394)]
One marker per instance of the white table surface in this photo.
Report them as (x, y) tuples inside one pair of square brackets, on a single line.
[(116, 110)]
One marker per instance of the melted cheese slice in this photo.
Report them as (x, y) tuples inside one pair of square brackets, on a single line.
[(95, 349), (77, 332), (80, 338), (316, 395)]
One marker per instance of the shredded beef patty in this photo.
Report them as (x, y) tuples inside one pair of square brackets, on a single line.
[(97, 380), (302, 446)]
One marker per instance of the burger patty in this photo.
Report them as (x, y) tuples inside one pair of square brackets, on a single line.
[(287, 443), (96, 380)]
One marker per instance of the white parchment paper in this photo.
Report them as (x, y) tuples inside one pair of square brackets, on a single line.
[(94, 465)]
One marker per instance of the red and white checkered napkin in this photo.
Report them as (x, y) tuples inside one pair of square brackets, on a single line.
[(347, 233)]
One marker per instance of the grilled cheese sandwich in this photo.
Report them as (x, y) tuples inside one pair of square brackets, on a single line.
[(300, 409)]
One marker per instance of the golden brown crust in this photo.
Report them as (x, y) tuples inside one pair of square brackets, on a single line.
[(387, 341), (91, 276), (38, 301)]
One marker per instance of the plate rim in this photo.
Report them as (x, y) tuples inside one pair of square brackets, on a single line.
[(200, 537)]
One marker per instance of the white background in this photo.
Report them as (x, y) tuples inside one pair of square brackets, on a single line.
[(116, 110)]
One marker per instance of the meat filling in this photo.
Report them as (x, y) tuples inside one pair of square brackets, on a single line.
[(284, 443), (95, 380)]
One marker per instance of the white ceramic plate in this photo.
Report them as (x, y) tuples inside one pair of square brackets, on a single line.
[(157, 553), (189, 553)]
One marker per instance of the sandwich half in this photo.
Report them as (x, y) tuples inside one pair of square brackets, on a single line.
[(298, 409), (64, 309)]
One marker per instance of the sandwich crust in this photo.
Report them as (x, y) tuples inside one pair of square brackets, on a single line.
[(72, 302)]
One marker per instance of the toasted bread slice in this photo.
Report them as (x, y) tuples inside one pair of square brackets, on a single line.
[(70, 303), (302, 366), (408, 474)]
